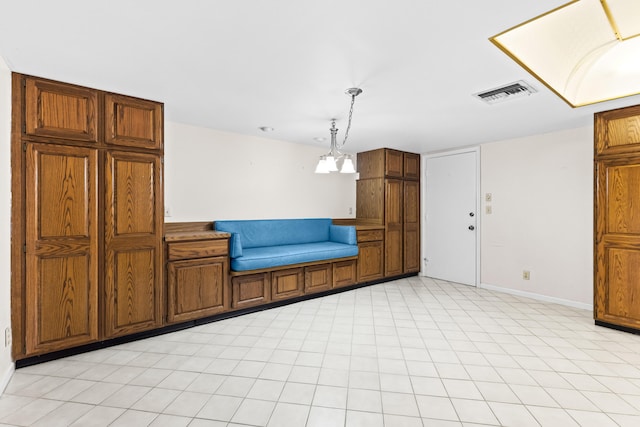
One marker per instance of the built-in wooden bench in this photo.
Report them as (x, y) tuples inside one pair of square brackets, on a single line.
[(257, 287)]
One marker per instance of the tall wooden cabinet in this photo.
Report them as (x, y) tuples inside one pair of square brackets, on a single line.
[(88, 199), (388, 194), (617, 218)]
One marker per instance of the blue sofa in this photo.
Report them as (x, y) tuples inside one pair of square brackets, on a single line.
[(267, 243)]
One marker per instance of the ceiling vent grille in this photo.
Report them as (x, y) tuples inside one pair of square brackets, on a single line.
[(505, 93)]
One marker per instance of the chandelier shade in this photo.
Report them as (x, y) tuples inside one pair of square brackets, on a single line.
[(586, 51)]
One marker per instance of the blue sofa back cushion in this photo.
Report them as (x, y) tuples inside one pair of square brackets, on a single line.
[(276, 232)]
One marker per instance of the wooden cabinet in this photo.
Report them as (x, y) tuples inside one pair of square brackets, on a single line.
[(617, 223), (411, 163), (133, 242), (344, 273), (59, 110), (61, 286), (318, 278), (393, 217), (370, 254), (250, 290), (133, 122), (87, 236), (388, 194), (411, 226), (287, 283), (197, 275)]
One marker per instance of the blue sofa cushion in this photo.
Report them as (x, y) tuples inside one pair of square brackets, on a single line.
[(235, 245), (275, 256), (343, 234), (275, 232)]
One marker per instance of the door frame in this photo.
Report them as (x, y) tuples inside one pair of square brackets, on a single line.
[(423, 203)]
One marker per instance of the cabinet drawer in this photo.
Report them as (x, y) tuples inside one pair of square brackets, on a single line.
[(370, 235), (344, 273), (198, 249)]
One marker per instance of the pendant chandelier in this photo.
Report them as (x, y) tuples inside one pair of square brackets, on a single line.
[(329, 162)]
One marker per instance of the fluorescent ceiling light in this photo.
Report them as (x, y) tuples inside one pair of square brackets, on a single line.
[(586, 51)]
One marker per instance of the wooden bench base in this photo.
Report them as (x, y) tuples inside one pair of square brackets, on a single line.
[(257, 287)]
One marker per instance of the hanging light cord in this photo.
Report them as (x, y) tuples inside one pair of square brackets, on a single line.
[(346, 133)]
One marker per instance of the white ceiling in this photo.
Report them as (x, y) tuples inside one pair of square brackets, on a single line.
[(236, 65)]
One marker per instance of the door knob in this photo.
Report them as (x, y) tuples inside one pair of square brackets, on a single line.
[(471, 214), (471, 227)]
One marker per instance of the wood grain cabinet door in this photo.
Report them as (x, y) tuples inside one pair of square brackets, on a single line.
[(393, 219), (287, 283), (250, 290), (318, 278), (345, 273), (617, 242), (411, 166), (411, 226), (393, 163), (133, 122), (197, 288), (370, 261), (59, 110), (61, 247), (617, 132), (133, 242)]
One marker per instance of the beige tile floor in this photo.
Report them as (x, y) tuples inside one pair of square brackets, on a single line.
[(413, 352)]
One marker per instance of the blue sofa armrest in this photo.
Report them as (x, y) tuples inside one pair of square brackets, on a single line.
[(235, 246), (343, 234)]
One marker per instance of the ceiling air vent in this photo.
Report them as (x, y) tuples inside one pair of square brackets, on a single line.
[(505, 93)]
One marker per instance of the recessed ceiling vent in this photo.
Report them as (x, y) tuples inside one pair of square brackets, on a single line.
[(505, 93)]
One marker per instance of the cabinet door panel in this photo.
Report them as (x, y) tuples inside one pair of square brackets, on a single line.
[(411, 226), (370, 200), (617, 282), (62, 245), (132, 293), (394, 227), (197, 288), (344, 273), (370, 261), (318, 278), (411, 166), (623, 198), (60, 110), (287, 283), (133, 122), (133, 242), (132, 187), (250, 290), (394, 163), (618, 131)]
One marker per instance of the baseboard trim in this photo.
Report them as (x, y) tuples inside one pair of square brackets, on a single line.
[(538, 297), (6, 377)]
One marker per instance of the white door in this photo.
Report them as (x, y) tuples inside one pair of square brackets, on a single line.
[(451, 226)]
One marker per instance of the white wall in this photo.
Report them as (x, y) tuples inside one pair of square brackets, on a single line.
[(6, 364), (542, 220), (214, 175)]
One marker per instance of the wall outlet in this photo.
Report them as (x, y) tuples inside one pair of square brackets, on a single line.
[(167, 211), (488, 210), (526, 274), (7, 337), (350, 211)]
